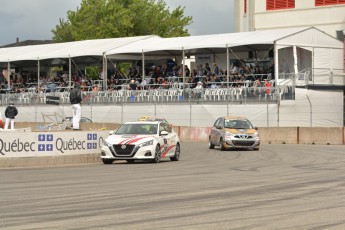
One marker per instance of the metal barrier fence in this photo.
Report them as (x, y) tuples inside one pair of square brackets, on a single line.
[(237, 94)]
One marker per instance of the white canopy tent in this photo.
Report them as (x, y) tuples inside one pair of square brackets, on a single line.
[(324, 51), (67, 50)]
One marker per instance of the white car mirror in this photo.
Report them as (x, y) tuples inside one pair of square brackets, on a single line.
[(112, 132), (164, 133)]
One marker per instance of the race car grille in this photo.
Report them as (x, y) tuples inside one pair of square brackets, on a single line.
[(244, 136), (243, 143), (123, 150)]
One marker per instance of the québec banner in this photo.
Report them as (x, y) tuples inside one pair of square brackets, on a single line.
[(24, 144)]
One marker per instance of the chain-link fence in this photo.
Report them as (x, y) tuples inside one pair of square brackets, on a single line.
[(295, 107)]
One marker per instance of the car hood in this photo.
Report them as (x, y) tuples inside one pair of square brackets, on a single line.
[(241, 131), (127, 139)]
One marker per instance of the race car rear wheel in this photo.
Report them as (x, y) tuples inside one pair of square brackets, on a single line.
[(222, 147), (157, 155), (107, 161), (176, 157)]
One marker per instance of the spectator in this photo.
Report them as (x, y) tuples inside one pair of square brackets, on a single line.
[(133, 85), (51, 87), (207, 70), (75, 99), (10, 113), (198, 90), (234, 69), (215, 69), (268, 87), (95, 89), (65, 77), (257, 87), (187, 71), (200, 70)]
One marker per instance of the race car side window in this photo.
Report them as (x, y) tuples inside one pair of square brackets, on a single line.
[(217, 122), (161, 128), (167, 128)]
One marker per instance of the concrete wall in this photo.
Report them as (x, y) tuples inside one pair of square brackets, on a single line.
[(269, 135), (19, 158), (322, 136)]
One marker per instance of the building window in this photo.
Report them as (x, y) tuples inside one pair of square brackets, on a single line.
[(245, 6), (328, 2), (281, 4)]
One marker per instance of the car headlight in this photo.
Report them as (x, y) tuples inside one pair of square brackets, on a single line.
[(147, 143), (106, 143), (228, 134)]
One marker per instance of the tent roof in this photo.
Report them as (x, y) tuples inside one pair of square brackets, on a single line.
[(244, 41), (95, 47), (157, 46)]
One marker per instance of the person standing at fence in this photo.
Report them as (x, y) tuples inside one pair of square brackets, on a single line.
[(75, 99), (267, 88), (1, 122), (10, 113)]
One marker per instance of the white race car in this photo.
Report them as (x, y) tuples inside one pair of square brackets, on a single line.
[(141, 140)]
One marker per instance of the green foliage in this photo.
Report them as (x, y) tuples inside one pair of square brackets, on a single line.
[(92, 71), (123, 67), (121, 18)]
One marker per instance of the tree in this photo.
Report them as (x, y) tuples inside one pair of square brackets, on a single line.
[(121, 18)]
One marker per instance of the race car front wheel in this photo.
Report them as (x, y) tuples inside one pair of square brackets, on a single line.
[(222, 145), (107, 161), (157, 155)]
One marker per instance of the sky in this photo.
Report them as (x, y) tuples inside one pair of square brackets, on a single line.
[(34, 19)]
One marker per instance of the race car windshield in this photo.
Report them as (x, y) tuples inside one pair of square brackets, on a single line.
[(238, 124), (138, 129)]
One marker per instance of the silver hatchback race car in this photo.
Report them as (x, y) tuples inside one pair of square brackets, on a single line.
[(232, 132)]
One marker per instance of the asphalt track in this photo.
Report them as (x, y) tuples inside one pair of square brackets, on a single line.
[(278, 187)]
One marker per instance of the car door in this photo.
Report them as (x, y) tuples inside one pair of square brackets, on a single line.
[(169, 140), (214, 132), (219, 128)]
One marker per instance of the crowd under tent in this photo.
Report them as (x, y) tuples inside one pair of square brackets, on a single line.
[(309, 53), (86, 52)]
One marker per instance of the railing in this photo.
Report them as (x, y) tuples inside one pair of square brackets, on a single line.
[(235, 94)]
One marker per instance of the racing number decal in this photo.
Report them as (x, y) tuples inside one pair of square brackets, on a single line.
[(165, 147)]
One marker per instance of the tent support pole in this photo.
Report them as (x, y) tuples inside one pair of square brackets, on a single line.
[(227, 66), (38, 74), (143, 64), (105, 72), (8, 75), (276, 68), (69, 72), (183, 69), (276, 64)]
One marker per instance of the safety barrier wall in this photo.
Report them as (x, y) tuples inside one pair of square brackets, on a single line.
[(277, 135), (24, 147)]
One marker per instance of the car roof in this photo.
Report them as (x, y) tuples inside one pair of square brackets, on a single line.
[(234, 118), (154, 118), (143, 122)]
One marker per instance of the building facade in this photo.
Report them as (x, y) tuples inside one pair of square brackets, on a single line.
[(326, 15)]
